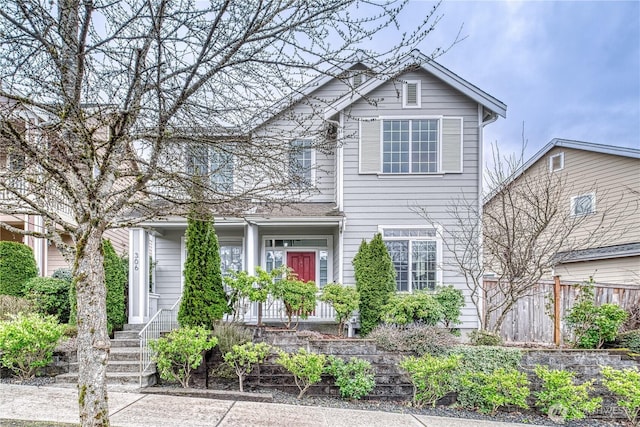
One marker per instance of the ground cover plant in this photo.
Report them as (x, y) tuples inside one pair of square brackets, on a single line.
[(624, 384), (432, 377), (560, 398), (355, 378), (500, 388)]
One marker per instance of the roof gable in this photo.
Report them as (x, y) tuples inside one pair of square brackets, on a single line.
[(418, 60)]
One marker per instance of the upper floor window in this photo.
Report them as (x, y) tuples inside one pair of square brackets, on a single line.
[(410, 146), (411, 94), (415, 254), (301, 159), (556, 162), (584, 204), (213, 162)]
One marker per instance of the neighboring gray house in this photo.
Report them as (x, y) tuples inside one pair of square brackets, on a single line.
[(414, 139)]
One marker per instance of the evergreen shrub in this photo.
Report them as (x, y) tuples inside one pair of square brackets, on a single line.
[(17, 265), (49, 296), (375, 281)]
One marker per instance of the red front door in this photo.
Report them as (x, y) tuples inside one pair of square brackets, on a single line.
[(303, 264)]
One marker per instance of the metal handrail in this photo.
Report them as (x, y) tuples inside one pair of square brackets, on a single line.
[(163, 321)]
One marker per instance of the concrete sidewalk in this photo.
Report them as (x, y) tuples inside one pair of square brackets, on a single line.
[(135, 409)]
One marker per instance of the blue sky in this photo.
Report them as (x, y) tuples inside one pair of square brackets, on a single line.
[(567, 69)]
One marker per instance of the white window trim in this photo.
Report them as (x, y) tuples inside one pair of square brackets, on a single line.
[(559, 155), (437, 238), (592, 195), (391, 174), (316, 249), (405, 85)]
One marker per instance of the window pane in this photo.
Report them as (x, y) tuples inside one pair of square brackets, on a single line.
[(221, 169), (274, 259), (399, 252), (583, 205), (323, 268), (424, 145), (197, 159), (300, 162), (230, 258), (395, 146), (423, 265)]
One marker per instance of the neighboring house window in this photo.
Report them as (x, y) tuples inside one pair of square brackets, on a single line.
[(215, 163), (421, 145), (230, 258), (411, 94), (410, 146), (301, 160), (584, 204), (414, 252), (556, 162)]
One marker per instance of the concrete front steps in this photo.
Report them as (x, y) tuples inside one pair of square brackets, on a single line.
[(123, 370)]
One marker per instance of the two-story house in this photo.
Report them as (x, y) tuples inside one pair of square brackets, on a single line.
[(407, 139), (598, 194)]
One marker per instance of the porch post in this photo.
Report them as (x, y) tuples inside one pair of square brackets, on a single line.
[(138, 275), (251, 246)]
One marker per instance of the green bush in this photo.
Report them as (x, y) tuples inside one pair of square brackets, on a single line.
[(419, 307), (625, 385), (484, 360), (482, 337), (355, 378), (375, 281), (306, 368), (432, 377), (204, 300), (243, 358), (298, 297), (630, 340), (418, 339), (10, 306), (180, 352), (502, 387), (49, 296), (243, 286), (344, 300), (27, 342), (451, 301), (593, 325), (560, 397), (115, 278), (17, 265)]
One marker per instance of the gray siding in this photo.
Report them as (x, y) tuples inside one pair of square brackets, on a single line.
[(373, 200)]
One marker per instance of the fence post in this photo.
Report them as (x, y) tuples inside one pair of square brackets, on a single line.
[(556, 311)]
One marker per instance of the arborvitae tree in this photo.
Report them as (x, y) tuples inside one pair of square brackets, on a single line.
[(17, 265), (203, 299), (375, 281), (115, 277)]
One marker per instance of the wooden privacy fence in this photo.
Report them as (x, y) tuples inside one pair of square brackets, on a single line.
[(530, 319)]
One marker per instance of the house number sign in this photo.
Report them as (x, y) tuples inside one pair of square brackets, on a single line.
[(136, 261)]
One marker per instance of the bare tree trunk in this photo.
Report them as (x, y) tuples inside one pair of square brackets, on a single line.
[(93, 340)]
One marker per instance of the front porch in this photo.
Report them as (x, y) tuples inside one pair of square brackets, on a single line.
[(310, 246)]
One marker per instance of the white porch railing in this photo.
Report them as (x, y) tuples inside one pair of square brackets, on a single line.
[(163, 321), (274, 311)]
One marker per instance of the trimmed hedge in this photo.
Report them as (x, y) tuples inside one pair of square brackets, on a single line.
[(17, 265), (115, 277)]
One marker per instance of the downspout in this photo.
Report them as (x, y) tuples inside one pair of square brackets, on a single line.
[(481, 124)]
